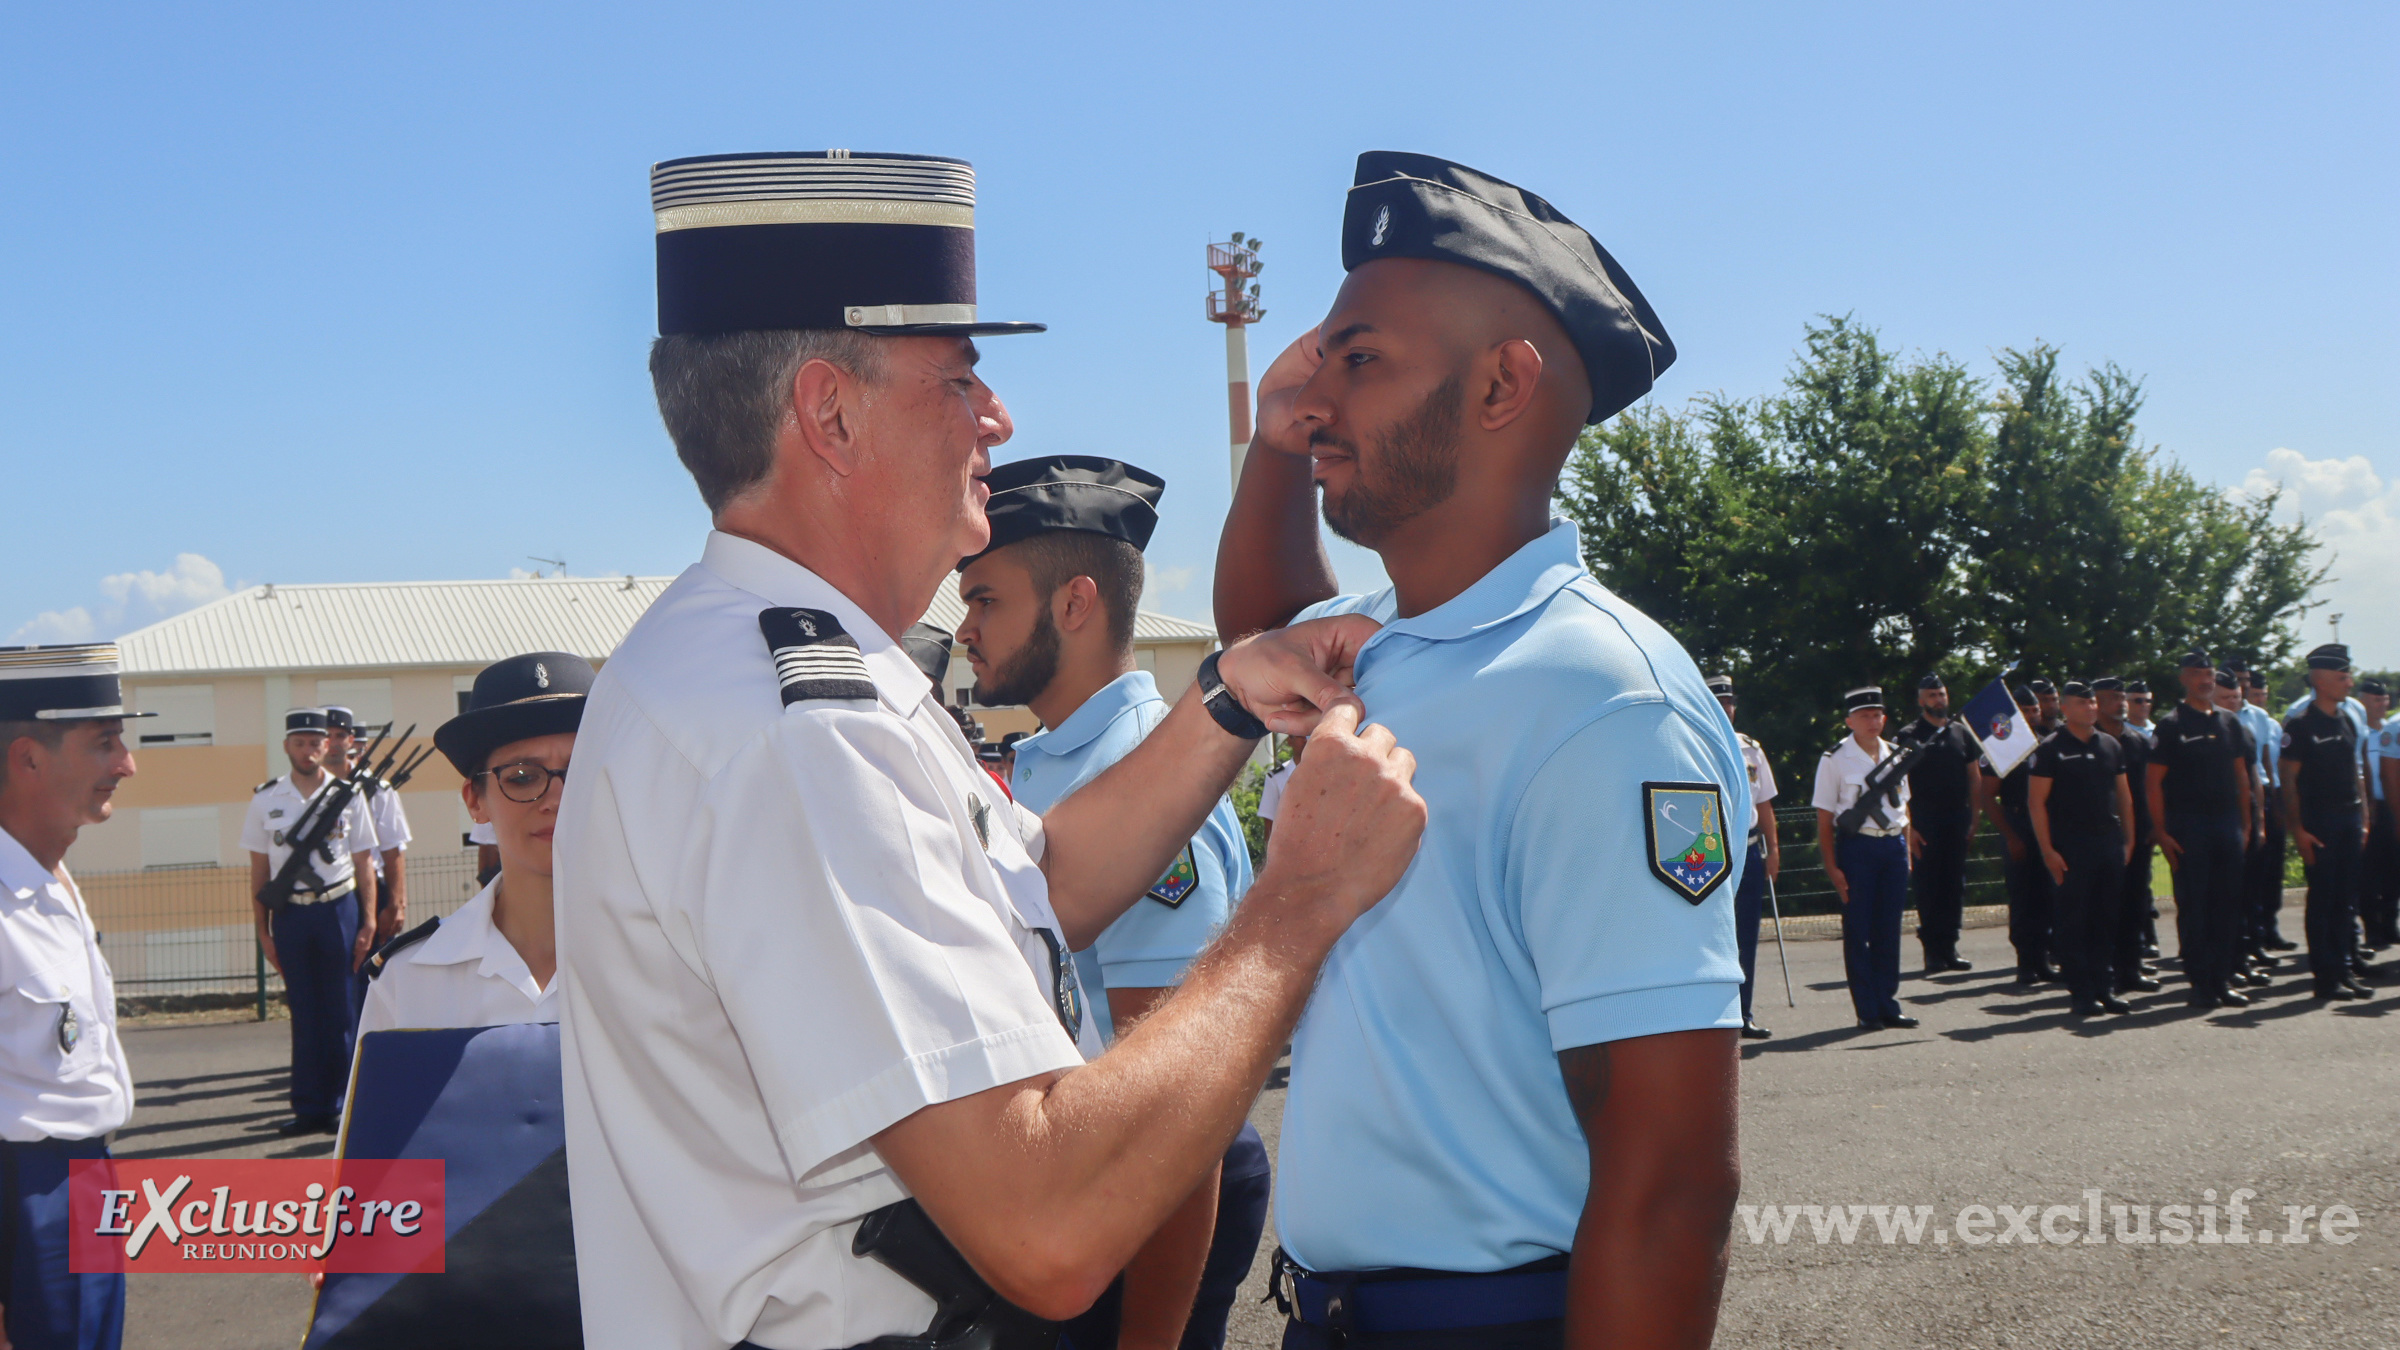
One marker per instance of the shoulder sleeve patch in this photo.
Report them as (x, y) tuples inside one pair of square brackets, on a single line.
[(384, 954), (814, 658), (1683, 825)]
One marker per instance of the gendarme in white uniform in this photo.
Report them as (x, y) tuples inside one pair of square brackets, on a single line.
[(63, 1073), (792, 927), (1762, 779), (391, 826), (267, 825), (467, 974), (1842, 772)]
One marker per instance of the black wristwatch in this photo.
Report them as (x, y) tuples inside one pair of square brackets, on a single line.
[(1223, 706)]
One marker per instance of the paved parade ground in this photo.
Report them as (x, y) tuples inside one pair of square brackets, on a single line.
[(1999, 1100)]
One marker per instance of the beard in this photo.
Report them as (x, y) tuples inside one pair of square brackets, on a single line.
[(1413, 470), (1027, 672)]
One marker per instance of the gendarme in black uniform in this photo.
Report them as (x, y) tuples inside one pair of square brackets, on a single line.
[(2133, 909), (2206, 757), (2322, 748), (2089, 834), (2027, 881), (1941, 804)]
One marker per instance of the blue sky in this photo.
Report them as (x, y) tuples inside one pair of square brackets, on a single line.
[(268, 265)]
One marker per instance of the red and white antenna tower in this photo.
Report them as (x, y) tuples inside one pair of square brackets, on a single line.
[(1234, 303)]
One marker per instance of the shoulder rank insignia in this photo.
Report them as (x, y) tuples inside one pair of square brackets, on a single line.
[(814, 658), (264, 786), (1181, 878), (383, 955), (1684, 824)]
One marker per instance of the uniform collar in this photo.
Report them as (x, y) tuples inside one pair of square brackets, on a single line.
[(470, 935), (20, 874), (776, 579), (1111, 701), (1524, 580)]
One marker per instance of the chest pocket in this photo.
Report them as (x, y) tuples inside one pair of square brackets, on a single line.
[(51, 1023)]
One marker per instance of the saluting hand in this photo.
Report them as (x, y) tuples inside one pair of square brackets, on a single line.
[(1280, 428), (1350, 820), (1290, 677)]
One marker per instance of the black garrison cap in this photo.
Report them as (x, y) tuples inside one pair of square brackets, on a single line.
[(2137, 686), (1071, 492), (2195, 660), (2331, 656), (2107, 682), (2074, 689), (929, 647), (1930, 681), (1865, 696), (73, 682), (879, 243), (1416, 206), (2257, 679), (2040, 687), (2023, 696), (1721, 685), (537, 694), (2375, 687), (2226, 680)]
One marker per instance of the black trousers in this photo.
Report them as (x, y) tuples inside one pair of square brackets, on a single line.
[(2379, 888), (1940, 882), (2262, 888), (2085, 909), (2135, 925), (2208, 897), (1242, 1192), (2333, 895), (2028, 884)]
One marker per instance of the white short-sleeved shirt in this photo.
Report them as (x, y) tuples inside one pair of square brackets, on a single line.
[(1842, 775), (391, 822), (1762, 774), (792, 926), (466, 974), (2382, 745), (1427, 1124), (278, 806), (63, 1073), (1270, 792)]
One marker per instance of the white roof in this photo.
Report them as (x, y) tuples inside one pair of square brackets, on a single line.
[(402, 624)]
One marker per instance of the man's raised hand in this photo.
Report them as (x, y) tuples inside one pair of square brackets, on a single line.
[(1290, 677), (1279, 428), (1350, 818)]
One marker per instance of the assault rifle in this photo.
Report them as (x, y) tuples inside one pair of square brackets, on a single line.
[(1880, 789), (309, 833), (381, 778)]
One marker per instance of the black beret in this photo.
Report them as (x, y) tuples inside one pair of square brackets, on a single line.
[(929, 647), (2075, 689), (2108, 682), (2331, 656), (1929, 682), (1416, 206), (1071, 492), (537, 694), (1866, 696), (2195, 660)]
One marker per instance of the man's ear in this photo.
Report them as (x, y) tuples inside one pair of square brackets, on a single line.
[(824, 415), (1512, 373), (1075, 604)]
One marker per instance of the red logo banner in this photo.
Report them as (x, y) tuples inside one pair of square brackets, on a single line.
[(200, 1215)]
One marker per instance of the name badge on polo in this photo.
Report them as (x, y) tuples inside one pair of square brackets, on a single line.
[(1684, 826), (814, 657)]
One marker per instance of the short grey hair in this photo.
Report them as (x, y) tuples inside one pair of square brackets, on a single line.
[(52, 734), (722, 395)]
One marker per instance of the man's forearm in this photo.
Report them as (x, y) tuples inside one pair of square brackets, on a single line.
[(1110, 839), (1271, 561), (1104, 1154)]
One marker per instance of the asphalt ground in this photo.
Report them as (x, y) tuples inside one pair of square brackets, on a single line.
[(1999, 1099)]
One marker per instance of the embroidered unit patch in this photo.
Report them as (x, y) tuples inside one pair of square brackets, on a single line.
[(1684, 825), (814, 658), (1181, 878)]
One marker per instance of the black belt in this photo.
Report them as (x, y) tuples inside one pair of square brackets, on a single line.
[(1383, 1301)]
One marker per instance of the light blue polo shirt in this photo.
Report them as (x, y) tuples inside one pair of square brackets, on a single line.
[(1149, 946), (1427, 1123), (2381, 744), (2356, 711), (2266, 740)]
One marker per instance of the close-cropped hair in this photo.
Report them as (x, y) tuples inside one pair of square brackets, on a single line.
[(722, 396), (1055, 557), (51, 734)]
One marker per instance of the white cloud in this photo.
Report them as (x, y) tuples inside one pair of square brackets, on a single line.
[(2356, 511), (134, 599), (1170, 580)]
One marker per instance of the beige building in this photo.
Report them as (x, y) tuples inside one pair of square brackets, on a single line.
[(221, 677)]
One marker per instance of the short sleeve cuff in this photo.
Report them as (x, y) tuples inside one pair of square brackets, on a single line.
[(1645, 1012), (909, 1086), (1145, 974)]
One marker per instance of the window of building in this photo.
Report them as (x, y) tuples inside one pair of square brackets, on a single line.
[(179, 836), (464, 685), (187, 714)]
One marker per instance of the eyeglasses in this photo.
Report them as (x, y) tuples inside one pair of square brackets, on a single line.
[(523, 782)]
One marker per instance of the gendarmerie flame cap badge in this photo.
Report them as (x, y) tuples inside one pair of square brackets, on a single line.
[(882, 243)]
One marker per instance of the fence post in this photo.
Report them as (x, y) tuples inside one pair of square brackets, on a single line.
[(259, 952)]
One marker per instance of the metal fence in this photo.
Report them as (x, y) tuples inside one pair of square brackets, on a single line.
[(1803, 888), (190, 930)]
